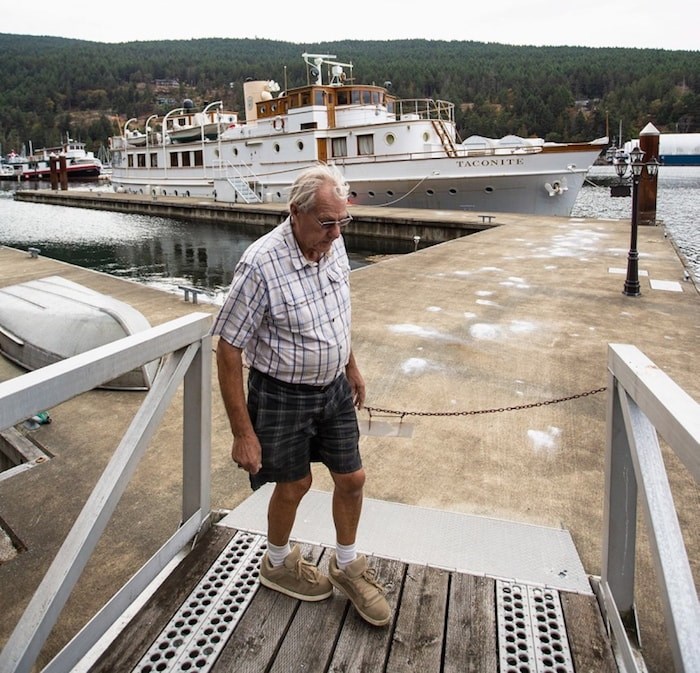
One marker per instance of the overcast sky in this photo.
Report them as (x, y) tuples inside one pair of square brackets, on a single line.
[(669, 24)]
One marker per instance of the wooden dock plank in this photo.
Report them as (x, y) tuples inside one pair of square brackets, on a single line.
[(470, 638), (591, 653), (360, 649), (417, 644), (255, 642)]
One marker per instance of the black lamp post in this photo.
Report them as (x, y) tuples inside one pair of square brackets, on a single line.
[(637, 168)]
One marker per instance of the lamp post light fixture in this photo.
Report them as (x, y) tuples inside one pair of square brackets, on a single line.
[(638, 169)]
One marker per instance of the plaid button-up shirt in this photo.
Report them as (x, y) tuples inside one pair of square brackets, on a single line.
[(290, 316)]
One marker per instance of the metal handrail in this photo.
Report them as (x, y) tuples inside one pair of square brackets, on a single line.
[(642, 401), (185, 345)]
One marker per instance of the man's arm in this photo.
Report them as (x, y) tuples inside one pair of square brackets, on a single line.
[(357, 383), (245, 451)]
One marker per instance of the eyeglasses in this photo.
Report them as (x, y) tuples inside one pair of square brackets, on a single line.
[(331, 223)]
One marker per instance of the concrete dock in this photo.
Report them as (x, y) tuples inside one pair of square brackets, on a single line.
[(516, 315)]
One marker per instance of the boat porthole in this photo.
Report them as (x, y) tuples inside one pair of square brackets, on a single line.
[(370, 194), (235, 151), (488, 190), (426, 137), (175, 192), (300, 145), (353, 194), (389, 192), (276, 147), (453, 191), (430, 192), (140, 191), (187, 193), (216, 153), (389, 138)]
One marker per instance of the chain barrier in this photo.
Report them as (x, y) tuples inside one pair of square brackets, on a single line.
[(476, 412)]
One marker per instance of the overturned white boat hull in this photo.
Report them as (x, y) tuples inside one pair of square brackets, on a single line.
[(47, 320)]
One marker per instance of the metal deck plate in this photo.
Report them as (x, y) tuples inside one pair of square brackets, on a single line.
[(199, 630), (450, 540), (531, 630)]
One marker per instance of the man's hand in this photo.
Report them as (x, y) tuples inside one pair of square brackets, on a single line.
[(357, 383), (246, 453)]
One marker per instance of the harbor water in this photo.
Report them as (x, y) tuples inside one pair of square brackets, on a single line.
[(166, 253)]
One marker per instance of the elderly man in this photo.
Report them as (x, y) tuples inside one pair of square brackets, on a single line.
[(288, 314)]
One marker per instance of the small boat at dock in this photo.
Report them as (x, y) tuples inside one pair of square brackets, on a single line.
[(49, 319), (393, 152), (79, 163)]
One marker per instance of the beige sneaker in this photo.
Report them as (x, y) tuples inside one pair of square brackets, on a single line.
[(358, 583), (295, 577)]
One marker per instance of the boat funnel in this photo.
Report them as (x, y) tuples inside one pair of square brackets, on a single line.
[(255, 92)]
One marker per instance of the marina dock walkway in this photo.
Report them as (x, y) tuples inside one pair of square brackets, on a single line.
[(491, 349)]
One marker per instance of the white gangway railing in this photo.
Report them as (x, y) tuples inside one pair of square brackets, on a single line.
[(184, 347), (643, 401)]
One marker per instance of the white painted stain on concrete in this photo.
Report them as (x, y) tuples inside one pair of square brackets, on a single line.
[(433, 309), (414, 366), (484, 332), (545, 441), (521, 326), (417, 330)]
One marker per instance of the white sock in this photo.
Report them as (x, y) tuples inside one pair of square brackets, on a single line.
[(277, 554), (345, 554)]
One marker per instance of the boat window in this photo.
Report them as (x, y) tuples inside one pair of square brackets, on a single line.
[(375, 98), (305, 97), (366, 96), (154, 160), (339, 147), (130, 162), (343, 98), (276, 147), (319, 97), (198, 158), (300, 145), (174, 163), (365, 144), (356, 96), (389, 138), (141, 160), (426, 136), (186, 159)]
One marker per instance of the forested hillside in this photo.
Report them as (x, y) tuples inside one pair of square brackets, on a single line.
[(53, 86)]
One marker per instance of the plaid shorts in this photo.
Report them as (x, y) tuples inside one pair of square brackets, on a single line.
[(299, 424)]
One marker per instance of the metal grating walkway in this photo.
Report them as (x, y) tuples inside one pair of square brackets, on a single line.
[(197, 632)]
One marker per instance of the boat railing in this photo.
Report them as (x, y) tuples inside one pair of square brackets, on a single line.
[(184, 345), (424, 108), (643, 401)]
